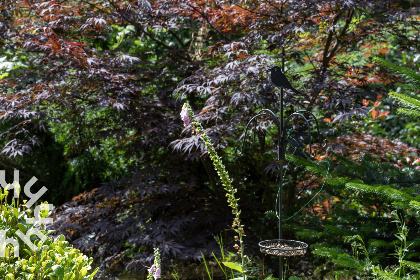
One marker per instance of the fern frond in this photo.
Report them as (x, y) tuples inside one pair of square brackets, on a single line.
[(412, 265), (415, 205), (409, 112), (337, 231), (386, 193), (336, 255), (370, 229), (405, 100), (326, 250), (413, 256), (400, 205), (381, 244), (412, 102), (346, 260), (392, 194), (400, 69), (384, 275), (308, 164), (339, 181), (408, 86), (309, 234)]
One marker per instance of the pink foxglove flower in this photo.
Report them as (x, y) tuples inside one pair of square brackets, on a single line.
[(184, 116), (152, 269), (157, 274)]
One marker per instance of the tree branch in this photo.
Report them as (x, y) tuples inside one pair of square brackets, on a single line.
[(209, 23), (164, 45), (325, 57), (342, 33)]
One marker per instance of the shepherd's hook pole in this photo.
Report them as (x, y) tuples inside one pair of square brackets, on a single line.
[(281, 157)]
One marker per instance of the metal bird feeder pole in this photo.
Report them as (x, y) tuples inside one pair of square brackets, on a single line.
[(281, 247), (282, 157)]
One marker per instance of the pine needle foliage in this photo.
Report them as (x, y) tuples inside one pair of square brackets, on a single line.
[(410, 90)]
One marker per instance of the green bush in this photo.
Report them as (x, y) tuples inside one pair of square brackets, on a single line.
[(371, 195), (404, 125), (48, 259), (404, 270)]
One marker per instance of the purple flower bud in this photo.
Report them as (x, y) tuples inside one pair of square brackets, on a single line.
[(157, 274), (185, 117), (152, 269)]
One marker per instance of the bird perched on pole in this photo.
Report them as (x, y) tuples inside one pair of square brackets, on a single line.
[(280, 80)]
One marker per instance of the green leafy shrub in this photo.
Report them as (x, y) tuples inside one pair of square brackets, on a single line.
[(408, 95), (51, 258), (403, 103), (403, 270), (369, 194)]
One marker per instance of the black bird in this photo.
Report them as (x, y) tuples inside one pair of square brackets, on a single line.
[(280, 80)]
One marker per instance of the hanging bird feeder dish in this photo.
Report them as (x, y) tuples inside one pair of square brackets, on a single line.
[(283, 247)]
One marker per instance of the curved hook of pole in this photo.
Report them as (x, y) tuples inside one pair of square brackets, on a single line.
[(259, 114), (274, 117), (299, 113), (307, 124), (316, 122), (263, 112)]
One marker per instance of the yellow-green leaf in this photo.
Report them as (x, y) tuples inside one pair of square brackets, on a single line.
[(233, 266), (22, 228)]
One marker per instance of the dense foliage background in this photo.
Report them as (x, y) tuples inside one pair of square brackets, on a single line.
[(91, 92)]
